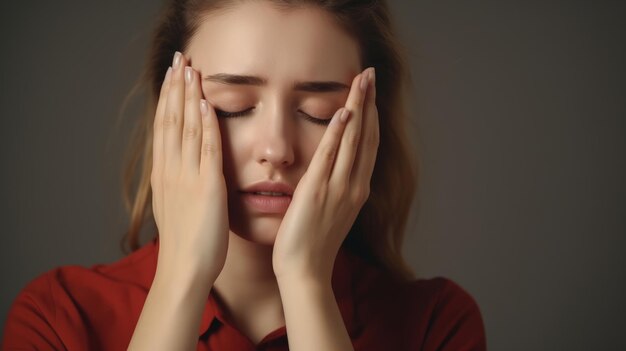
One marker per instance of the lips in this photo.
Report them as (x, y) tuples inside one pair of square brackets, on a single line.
[(268, 197), (270, 187)]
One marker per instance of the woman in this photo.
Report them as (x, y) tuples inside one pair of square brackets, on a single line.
[(280, 180)]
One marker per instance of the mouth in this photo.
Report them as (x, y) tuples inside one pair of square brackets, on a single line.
[(268, 196), (268, 193), (267, 202)]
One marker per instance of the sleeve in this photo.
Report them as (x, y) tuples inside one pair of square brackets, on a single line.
[(456, 323), (29, 323)]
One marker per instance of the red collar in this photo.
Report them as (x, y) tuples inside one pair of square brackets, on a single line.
[(342, 283)]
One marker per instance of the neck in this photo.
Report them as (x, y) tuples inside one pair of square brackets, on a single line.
[(247, 284)]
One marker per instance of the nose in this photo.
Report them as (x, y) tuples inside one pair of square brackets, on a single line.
[(274, 140)]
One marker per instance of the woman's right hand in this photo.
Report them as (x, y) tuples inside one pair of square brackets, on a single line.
[(188, 186)]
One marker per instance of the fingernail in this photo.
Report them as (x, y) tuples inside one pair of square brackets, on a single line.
[(364, 79), (337, 118), (176, 61), (188, 75), (374, 76), (203, 107), (344, 115), (168, 74)]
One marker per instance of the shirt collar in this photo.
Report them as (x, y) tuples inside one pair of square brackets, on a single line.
[(341, 281), (342, 287)]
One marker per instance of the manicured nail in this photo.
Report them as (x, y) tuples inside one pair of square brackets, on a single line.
[(203, 107), (364, 80), (176, 61), (188, 75), (374, 76), (337, 117), (344, 115)]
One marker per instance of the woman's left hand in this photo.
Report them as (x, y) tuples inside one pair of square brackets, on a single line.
[(333, 190)]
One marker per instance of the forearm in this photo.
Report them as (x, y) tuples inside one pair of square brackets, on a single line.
[(171, 314), (312, 317)]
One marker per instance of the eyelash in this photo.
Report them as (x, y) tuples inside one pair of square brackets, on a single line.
[(236, 114)]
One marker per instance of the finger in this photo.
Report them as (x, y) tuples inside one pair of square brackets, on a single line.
[(192, 126), (326, 152), (173, 119), (368, 149), (352, 134), (157, 137), (157, 146), (211, 149)]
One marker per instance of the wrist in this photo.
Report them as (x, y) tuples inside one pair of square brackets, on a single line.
[(184, 268), (184, 281), (303, 282), (305, 273)]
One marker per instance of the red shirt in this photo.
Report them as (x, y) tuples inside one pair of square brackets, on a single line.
[(97, 308)]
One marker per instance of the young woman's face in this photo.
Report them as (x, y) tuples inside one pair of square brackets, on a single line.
[(277, 136)]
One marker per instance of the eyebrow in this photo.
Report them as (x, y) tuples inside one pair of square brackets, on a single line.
[(315, 87)]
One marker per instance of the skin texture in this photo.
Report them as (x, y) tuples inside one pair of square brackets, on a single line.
[(274, 141), (265, 268)]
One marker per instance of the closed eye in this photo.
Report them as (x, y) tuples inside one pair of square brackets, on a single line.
[(227, 114), (315, 120)]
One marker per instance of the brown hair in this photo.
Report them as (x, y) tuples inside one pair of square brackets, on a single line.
[(378, 232)]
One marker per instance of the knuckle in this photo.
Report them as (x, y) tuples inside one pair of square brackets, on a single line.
[(170, 119), (207, 128), (210, 148), (155, 178), (190, 95), (155, 183), (190, 132), (366, 192), (375, 111), (319, 194), (340, 190), (361, 194), (157, 123), (328, 153)]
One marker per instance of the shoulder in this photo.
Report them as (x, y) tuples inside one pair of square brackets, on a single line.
[(429, 298), (442, 296), (134, 271), (451, 318), (425, 314), (65, 304)]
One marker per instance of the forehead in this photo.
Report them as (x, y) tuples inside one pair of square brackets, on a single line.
[(254, 37)]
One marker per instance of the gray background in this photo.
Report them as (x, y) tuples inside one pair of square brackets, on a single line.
[(520, 108)]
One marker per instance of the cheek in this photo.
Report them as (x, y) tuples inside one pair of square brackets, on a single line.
[(231, 151), (309, 139)]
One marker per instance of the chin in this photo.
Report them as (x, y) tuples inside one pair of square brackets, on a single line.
[(258, 230)]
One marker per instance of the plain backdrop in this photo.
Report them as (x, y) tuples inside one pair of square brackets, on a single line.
[(519, 108)]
